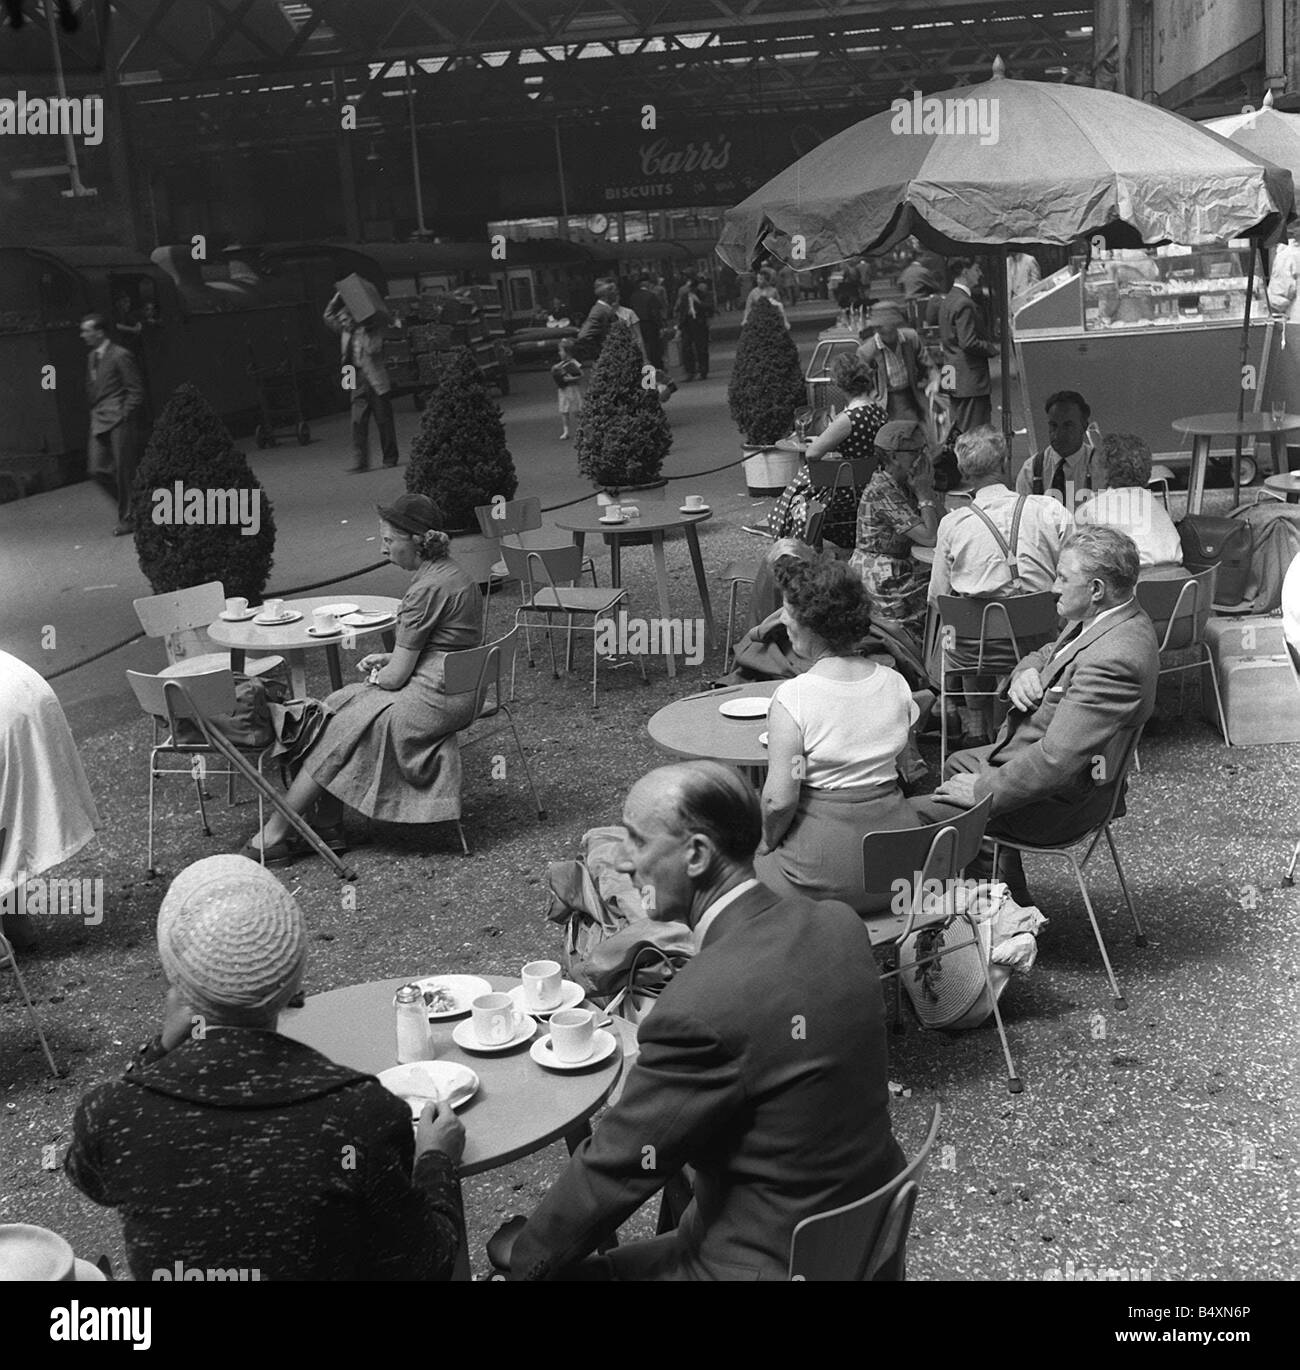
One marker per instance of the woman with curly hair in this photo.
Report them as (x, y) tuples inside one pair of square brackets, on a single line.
[(388, 747), (834, 737), (851, 436)]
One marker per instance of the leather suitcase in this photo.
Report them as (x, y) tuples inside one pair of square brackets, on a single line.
[(1261, 700)]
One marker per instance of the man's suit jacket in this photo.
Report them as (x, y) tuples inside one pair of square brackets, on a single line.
[(871, 353), (114, 388), (964, 334), (764, 1067), (1099, 688), (364, 349), (595, 329), (648, 307)]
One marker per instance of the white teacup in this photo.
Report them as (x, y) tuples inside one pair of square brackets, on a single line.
[(272, 608), (543, 985), (325, 621), (573, 1034), (496, 1020), (695, 501), (236, 607), (613, 511)]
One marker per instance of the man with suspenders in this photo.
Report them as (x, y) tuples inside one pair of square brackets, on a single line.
[(998, 545), (1068, 466)]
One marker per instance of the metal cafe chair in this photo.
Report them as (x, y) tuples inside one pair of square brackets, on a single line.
[(480, 669), (866, 1240), (1089, 841), (180, 617), (1180, 611), (9, 961), (1294, 658)]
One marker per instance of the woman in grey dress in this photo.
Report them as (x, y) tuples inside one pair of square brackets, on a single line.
[(388, 747)]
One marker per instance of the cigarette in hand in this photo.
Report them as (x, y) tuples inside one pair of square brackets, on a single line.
[(373, 677)]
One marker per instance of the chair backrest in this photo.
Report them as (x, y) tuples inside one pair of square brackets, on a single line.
[(509, 516), (181, 616), (480, 669), (1128, 750), (830, 474), (1016, 619), (815, 516), (938, 851), (1179, 609), (177, 697), (861, 1240), (543, 565)]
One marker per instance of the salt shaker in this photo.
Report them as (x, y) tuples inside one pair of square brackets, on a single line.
[(414, 1041)]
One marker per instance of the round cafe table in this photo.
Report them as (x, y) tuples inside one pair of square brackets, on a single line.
[(693, 727), (520, 1106), (1203, 428), (657, 520), (1287, 484), (294, 641)]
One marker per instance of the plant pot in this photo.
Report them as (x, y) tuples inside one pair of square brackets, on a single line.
[(475, 555), (768, 470)]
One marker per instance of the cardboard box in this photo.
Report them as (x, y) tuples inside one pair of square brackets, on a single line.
[(1261, 701), (363, 300)]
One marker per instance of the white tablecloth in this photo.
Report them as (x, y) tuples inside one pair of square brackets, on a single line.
[(46, 806)]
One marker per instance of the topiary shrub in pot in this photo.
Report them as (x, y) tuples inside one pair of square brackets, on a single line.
[(623, 433), (460, 459), (766, 388), (194, 495)]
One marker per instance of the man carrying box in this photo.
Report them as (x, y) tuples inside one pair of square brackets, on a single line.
[(362, 348)]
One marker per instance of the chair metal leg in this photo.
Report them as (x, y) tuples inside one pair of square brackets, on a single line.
[(230, 789), (537, 800), (1289, 878), (568, 644), (1208, 661), (1120, 1002), (732, 597), (943, 718), (1014, 1085), (7, 951), (464, 846), (153, 778), (1141, 937), (203, 813)]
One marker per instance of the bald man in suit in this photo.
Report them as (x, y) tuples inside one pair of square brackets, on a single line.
[(116, 395)]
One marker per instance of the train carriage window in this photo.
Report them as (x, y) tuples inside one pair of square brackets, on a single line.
[(521, 295)]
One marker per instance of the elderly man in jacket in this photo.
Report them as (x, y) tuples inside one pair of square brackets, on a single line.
[(361, 346), (763, 1065), (116, 394), (905, 379)]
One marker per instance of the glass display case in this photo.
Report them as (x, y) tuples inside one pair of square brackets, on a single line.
[(1169, 286)]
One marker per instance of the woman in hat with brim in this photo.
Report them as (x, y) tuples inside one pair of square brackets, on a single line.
[(229, 1147), (389, 747), (898, 511)]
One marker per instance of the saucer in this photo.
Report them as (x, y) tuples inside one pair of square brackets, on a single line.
[(324, 632), (618, 520), (461, 989), (571, 995), (751, 706), (237, 618), (463, 1035), (603, 1045), (703, 509), (290, 616), (422, 1082)]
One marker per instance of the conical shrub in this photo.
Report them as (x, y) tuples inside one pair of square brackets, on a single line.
[(459, 457), (623, 433), (767, 384), (192, 535)]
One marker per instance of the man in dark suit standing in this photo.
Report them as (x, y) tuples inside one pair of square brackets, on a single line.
[(763, 1065), (692, 311), (1076, 705), (600, 319), (647, 306), (116, 395), (967, 347)]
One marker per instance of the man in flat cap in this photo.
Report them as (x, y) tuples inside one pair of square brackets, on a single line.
[(905, 377)]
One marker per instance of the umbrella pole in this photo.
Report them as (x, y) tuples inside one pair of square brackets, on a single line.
[(1004, 298), (1245, 362)]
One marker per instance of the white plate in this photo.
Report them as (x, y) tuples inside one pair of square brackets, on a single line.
[(703, 509), (238, 618), (338, 610), (291, 617), (605, 520), (420, 1082), (751, 706), (324, 632), (604, 1045), (571, 995), (463, 988), (762, 739), (363, 618), (464, 1035)]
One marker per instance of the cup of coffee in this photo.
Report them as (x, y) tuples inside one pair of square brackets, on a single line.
[(695, 501), (613, 511), (573, 1034), (236, 607), (496, 1019), (543, 985), (325, 621), (273, 608)]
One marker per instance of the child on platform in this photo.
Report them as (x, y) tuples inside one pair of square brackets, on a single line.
[(567, 375)]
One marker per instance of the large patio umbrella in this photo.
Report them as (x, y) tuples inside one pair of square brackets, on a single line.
[(1045, 164), (1266, 133)]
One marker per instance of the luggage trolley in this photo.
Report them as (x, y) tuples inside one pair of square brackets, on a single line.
[(280, 399)]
